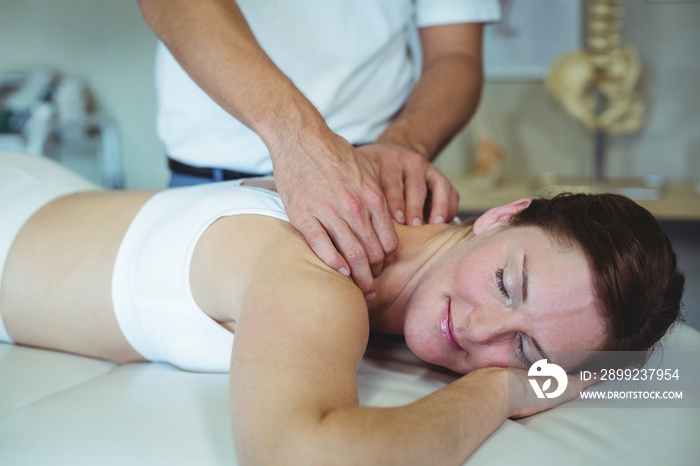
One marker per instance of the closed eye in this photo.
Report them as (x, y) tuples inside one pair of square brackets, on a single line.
[(521, 353), (499, 283)]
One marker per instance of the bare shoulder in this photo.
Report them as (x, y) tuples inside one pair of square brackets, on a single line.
[(301, 331), (253, 261), (304, 322)]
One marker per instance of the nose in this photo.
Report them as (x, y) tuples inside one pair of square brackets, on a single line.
[(491, 325)]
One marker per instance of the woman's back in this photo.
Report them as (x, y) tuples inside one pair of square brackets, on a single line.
[(58, 287), (57, 278)]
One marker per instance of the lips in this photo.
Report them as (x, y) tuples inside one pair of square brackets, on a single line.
[(447, 328)]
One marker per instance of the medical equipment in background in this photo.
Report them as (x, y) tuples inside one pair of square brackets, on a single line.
[(45, 114), (597, 86)]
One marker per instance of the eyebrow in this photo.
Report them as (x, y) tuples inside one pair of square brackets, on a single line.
[(525, 279)]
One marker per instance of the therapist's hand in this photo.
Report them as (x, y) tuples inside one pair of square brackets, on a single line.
[(406, 179), (332, 195)]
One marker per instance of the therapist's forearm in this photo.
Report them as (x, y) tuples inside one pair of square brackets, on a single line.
[(330, 190), (443, 100), (212, 41)]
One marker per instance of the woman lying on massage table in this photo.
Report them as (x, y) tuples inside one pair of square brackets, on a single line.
[(213, 277)]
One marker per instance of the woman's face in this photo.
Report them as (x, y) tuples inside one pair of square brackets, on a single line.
[(505, 289)]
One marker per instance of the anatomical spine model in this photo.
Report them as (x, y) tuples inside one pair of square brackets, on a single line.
[(597, 85)]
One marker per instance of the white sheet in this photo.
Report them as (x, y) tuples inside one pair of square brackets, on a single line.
[(58, 409)]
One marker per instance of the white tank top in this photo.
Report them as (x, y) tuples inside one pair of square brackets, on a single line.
[(151, 290)]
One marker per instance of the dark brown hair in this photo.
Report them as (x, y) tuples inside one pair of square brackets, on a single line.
[(634, 266)]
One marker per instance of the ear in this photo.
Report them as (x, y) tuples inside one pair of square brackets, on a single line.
[(499, 215)]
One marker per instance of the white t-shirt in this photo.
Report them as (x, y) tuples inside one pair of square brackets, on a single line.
[(350, 58)]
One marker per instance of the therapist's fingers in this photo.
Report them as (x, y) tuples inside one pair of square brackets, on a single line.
[(444, 198), (393, 187), (337, 246), (322, 245), (355, 254), (373, 227), (341, 190), (386, 233), (416, 192), (369, 217)]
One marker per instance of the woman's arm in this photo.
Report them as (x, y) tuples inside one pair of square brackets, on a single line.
[(299, 340)]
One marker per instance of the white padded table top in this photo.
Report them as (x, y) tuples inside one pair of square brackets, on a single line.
[(60, 409)]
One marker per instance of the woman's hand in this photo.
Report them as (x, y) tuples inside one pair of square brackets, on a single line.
[(523, 402)]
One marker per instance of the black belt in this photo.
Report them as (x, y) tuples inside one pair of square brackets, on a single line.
[(206, 172)]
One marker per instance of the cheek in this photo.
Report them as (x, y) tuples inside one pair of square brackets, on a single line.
[(490, 356), (472, 272), (472, 289)]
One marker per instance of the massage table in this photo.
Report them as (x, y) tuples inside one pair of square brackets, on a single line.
[(63, 409)]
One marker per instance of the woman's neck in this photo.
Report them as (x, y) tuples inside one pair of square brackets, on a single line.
[(418, 249)]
